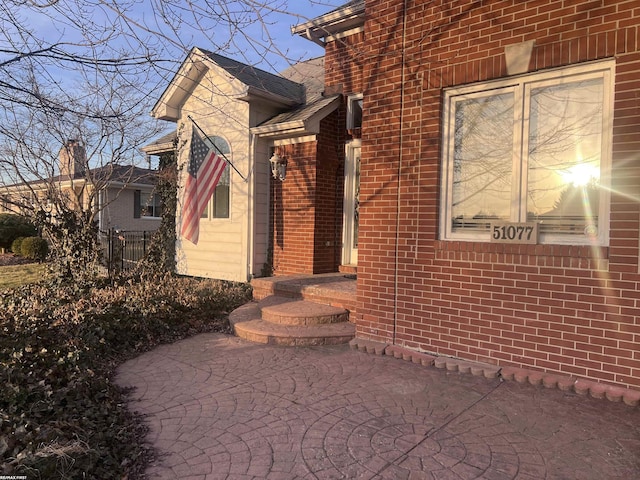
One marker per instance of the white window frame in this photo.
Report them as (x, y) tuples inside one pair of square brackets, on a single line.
[(208, 213), (519, 85), (149, 197), (351, 99)]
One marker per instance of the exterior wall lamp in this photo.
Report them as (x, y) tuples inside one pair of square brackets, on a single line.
[(278, 167)]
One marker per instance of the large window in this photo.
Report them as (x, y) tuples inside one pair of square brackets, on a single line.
[(218, 206), (531, 149)]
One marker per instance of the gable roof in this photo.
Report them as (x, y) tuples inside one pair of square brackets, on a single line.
[(253, 83), (305, 119), (259, 79)]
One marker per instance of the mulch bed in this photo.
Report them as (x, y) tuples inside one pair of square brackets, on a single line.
[(11, 259)]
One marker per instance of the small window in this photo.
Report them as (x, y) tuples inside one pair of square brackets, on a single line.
[(147, 205), (218, 206), (354, 112), (535, 148)]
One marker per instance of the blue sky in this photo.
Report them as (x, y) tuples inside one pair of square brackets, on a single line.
[(111, 28), (251, 43)]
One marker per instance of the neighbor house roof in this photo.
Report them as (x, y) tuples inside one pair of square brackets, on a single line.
[(126, 175), (166, 143)]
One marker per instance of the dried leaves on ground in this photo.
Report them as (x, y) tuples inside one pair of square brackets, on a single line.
[(60, 414)]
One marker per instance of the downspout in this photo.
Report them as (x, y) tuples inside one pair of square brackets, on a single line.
[(400, 158), (251, 207)]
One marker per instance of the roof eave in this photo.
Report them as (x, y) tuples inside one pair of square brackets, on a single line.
[(308, 126), (169, 105), (331, 24), (158, 148), (253, 93)]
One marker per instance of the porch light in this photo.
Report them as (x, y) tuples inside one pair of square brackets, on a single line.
[(278, 167)]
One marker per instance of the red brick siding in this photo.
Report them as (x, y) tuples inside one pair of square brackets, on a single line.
[(293, 211), (329, 198), (556, 308), (344, 65), (306, 221)]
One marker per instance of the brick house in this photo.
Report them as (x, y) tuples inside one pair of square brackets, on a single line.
[(476, 163), (482, 115)]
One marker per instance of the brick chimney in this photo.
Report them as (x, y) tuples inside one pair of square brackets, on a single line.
[(72, 159)]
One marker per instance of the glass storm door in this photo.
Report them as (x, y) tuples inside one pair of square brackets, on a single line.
[(351, 204)]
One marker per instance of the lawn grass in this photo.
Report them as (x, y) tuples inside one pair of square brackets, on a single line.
[(18, 275)]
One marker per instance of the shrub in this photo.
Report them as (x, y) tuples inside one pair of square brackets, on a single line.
[(60, 415), (35, 248), (13, 226), (16, 246)]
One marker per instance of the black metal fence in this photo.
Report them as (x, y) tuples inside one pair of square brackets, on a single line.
[(123, 250)]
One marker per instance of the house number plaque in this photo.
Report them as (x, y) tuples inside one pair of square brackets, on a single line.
[(507, 232)]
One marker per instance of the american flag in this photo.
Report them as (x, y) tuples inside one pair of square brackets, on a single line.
[(203, 173)]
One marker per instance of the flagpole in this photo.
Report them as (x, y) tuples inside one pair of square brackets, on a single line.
[(216, 147)]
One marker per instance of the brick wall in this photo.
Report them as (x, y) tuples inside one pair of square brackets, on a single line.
[(344, 65), (306, 221), (293, 210), (330, 188), (559, 308)]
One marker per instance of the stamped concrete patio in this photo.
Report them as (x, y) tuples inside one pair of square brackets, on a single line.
[(219, 407)]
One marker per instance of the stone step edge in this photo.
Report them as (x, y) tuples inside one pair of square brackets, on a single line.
[(259, 331), (299, 312), (564, 383), (242, 321)]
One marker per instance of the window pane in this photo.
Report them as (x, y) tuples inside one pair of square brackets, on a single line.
[(483, 160), (221, 196), (565, 144), (355, 113), (150, 205)]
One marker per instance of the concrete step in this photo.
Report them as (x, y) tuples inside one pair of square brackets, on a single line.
[(248, 323), (260, 331), (337, 289), (285, 311)]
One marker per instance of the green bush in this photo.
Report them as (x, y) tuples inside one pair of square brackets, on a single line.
[(13, 226), (61, 417), (16, 246), (35, 248)]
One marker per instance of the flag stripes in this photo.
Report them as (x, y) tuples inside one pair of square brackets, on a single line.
[(203, 174)]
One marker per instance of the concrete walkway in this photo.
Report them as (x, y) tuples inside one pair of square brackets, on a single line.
[(220, 407)]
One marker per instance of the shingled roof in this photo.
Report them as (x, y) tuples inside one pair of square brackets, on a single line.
[(260, 79)]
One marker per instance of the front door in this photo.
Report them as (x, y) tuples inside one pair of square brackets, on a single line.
[(351, 204)]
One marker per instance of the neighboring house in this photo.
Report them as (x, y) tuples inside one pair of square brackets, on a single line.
[(126, 199), (475, 162)]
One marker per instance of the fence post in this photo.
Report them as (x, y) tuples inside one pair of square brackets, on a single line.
[(122, 246), (110, 251)]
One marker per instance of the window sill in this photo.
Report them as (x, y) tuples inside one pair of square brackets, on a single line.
[(540, 249)]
